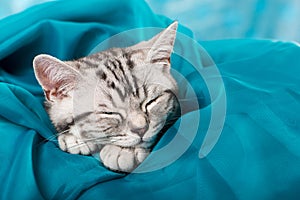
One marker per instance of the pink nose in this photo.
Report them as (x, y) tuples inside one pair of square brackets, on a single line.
[(137, 123), (140, 130)]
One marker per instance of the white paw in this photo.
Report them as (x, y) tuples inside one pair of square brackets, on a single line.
[(122, 159), (141, 154), (74, 145)]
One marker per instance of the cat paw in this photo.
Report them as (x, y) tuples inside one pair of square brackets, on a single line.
[(122, 159), (74, 145)]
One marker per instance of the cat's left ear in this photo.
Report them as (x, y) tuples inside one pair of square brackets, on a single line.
[(162, 44), (56, 77), (160, 47)]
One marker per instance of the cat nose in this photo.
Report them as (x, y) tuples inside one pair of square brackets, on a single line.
[(138, 124), (140, 130)]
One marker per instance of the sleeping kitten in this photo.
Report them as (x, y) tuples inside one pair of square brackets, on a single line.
[(114, 102)]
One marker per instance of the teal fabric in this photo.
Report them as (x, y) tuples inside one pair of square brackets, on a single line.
[(256, 157)]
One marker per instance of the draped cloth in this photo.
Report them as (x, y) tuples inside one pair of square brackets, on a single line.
[(256, 156)]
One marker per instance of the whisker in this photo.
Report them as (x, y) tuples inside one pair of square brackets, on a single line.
[(84, 143), (60, 133), (56, 135), (76, 145), (93, 139), (52, 138)]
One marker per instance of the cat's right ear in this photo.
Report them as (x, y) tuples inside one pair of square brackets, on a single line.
[(55, 76)]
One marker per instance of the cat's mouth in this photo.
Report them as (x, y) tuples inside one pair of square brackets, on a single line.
[(125, 141)]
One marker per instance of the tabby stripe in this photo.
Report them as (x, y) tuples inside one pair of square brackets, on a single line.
[(105, 129), (120, 66), (129, 61), (106, 64), (89, 63), (112, 85), (122, 97), (163, 59), (131, 82), (157, 125), (118, 90), (117, 65), (122, 70), (145, 91), (169, 91), (136, 91), (128, 78), (110, 99), (101, 75), (108, 96)]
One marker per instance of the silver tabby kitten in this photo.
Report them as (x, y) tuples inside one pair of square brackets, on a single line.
[(114, 102)]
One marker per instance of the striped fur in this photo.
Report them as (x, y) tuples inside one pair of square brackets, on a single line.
[(115, 102)]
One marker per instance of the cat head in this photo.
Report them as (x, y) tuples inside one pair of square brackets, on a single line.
[(122, 96)]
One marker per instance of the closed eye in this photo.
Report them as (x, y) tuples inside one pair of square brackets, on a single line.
[(150, 104), (160, 103), (111, 114), (152, 101), (108, 113), (166, 92)]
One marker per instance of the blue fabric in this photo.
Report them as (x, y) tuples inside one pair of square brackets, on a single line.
[(218, 19), (257, 155)]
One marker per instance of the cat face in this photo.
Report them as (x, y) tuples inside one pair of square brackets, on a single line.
[(122, 96)]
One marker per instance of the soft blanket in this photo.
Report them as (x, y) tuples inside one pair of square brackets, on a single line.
[(257, 155)]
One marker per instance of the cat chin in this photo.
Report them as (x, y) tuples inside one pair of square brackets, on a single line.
[(149, 138), (133, 144), (145, 145), (128, 142)]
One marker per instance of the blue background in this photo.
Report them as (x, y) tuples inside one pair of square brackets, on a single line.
[(217, 19)]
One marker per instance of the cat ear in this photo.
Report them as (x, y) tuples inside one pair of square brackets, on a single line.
[(160, 47), (56, 77), (162, 44)]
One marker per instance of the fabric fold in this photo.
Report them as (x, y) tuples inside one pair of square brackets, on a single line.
[(256, 155)]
